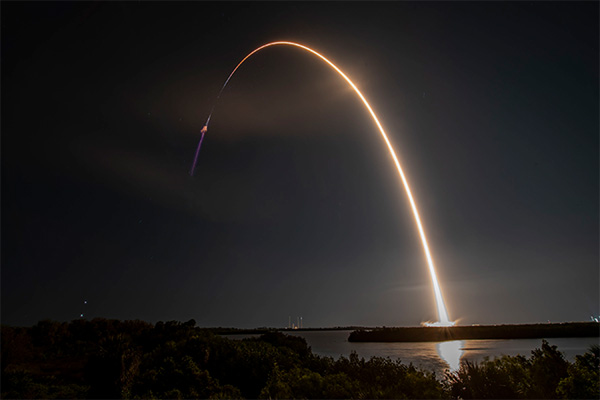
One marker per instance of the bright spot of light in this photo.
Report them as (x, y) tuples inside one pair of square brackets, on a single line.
[(440, 323), (451, 352)]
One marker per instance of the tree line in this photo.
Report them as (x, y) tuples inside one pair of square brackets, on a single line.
[(107, 359)]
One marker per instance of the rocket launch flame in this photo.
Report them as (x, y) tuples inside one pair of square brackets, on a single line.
[(443, 319)]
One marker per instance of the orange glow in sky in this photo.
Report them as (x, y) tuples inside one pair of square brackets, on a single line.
[(443, 319)]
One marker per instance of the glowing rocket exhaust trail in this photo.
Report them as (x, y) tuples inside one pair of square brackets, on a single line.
[(443, 319), (203, 131)]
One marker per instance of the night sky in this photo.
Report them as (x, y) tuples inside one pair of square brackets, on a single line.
[(296, 208)]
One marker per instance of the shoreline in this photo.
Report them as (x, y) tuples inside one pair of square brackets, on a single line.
[(475, 332)]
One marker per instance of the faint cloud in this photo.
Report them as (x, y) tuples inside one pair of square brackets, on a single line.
[(214, 195)]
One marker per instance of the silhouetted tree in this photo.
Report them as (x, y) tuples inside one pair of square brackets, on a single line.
[(583, 380), (548, 367)]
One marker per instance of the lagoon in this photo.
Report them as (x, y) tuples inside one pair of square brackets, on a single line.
[(438, 357)]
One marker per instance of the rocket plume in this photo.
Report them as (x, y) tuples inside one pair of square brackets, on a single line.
[(443, 319), (203, 131)]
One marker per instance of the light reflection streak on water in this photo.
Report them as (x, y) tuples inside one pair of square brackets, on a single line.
[(451, 352)]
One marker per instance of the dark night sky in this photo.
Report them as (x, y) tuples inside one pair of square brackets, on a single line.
[(296, 208)]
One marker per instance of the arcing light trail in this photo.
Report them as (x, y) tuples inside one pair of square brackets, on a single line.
[(443, 319)]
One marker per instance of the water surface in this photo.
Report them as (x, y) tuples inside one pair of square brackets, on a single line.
[(434, 356)]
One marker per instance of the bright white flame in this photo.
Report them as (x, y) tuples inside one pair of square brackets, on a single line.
[(441, 307), (440, 323)]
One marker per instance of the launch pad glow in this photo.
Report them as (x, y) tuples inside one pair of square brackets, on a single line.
[(443, 319)]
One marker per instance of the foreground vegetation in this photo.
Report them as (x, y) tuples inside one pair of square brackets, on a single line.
[(134, 359)]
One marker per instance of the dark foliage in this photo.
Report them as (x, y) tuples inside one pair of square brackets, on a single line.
[(546, 375), (133, 359)]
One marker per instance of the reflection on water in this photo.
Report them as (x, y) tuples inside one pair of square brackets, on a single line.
[(437, 357), (451, 352)]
